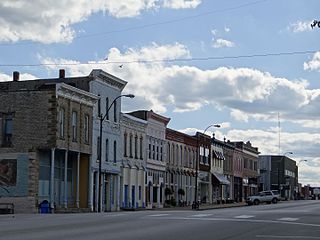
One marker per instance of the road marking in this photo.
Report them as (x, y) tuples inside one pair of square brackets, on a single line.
[(158, 215), (288, 219), (287, 237), (201, 215), (242, 220), (244, 216)]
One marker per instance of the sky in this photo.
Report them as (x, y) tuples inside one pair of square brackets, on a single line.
[(252, 66)]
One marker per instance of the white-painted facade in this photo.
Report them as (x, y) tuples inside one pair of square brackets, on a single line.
[(133, 167), (108, 88)]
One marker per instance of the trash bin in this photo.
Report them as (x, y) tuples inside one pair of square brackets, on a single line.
[(44, 207)]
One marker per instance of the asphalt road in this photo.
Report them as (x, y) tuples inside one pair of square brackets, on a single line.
[(286, 220)]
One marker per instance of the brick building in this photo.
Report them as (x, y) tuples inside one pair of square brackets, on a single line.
[(45, 144)]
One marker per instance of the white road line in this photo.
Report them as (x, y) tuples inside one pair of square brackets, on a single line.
[(201, 215), (244, 216), (286, 237), (288, 219), (242, 220), (158, 215)]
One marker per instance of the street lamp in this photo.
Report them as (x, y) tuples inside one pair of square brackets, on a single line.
[(195, 206), (304, 160), (101, 119)]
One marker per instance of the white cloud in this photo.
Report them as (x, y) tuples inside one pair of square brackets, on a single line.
[(313, 64), (177, 4), (51, 21), (220, 43), (247, 93), (22, 76), (300, 26), (226, 29)]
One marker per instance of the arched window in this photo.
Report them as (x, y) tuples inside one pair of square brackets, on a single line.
[(115, 151)]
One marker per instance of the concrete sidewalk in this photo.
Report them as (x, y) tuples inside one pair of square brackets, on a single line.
[(205, 206)]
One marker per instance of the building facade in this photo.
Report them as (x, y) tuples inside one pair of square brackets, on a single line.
[(181, 162), (219, 180), (134, 164), (46, 144), (250, 168), (156, 156), (279, 172), (203, 166)]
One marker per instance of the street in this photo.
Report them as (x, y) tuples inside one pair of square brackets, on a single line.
[(286, 220)]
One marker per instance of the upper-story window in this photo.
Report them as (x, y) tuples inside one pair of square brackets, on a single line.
[(169, 157), (74, 126), (99, 106), (86, 128), (115, 151), (7, 130), (98, 148), (141, 147), (107, 106), (61, 122), (125, 136), (130, 145), (115, 111), (107, 150), (136, 147)]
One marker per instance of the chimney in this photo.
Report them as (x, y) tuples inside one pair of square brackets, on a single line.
[(16, 76), (62, 73)]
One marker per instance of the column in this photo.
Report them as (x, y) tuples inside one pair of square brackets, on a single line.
[(65, 202), (210, 194), (151, 195), (118, 193), (90, 187), (78, 181), (158, 194), (52, 179), (137, 188)]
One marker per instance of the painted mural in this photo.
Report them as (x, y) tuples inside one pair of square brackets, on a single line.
[(8, 172)]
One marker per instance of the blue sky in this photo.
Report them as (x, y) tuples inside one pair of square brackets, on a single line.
[(194, 61)]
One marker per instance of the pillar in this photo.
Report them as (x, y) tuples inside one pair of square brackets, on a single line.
[(52, 179), (65, 200), (78, 181)]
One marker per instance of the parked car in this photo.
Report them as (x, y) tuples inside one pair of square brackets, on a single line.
[(263, 197)]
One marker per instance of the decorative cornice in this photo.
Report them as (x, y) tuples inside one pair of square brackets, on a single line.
[(75, 94), (108, 79)]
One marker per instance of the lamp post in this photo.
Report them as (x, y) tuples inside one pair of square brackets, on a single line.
[(304, 160), (195, 206), (101, 119)]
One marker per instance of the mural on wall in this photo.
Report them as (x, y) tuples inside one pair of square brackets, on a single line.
[(8, 172)]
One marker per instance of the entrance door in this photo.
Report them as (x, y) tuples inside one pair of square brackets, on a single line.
[(133, 194), (126, 196)]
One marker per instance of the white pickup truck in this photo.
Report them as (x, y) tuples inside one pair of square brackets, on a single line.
[(263, 197)]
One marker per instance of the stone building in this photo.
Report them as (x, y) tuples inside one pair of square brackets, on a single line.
[(134, 163), (46, 144), (181, 163), (108, 88), (156, 156)]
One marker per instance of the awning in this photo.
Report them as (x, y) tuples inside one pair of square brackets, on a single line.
[(221, 178)]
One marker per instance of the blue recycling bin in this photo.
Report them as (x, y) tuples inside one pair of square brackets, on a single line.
[(44, 207)]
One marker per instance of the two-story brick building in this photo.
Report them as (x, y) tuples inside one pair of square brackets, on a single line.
[(45, 144)]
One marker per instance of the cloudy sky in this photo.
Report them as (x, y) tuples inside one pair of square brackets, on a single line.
[(247, 65)]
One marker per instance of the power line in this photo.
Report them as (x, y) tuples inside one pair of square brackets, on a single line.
[(166, 60), (173, 20), (152, 24)]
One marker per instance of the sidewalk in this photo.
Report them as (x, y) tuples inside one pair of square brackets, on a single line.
[(206, 206)]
